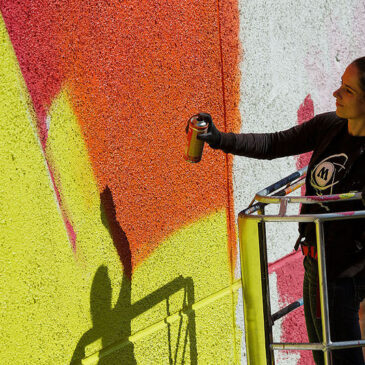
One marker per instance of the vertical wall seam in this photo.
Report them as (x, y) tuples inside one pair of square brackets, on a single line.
[(230, 219)]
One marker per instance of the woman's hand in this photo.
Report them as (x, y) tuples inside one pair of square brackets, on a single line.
[(213, 136)]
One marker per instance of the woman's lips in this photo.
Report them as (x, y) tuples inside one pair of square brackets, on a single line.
[(338, 104)]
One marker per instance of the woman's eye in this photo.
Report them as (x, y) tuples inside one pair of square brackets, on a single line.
[(349, 91)]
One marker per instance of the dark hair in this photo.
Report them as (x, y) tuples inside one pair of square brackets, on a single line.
[(360, 64)]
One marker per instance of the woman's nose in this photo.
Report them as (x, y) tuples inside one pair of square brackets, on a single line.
[(337, 93)]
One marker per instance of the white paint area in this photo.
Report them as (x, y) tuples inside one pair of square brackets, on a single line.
[(48, 122), (290, 49), (241, 326)]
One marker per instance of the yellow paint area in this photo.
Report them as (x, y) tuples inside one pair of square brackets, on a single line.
[(57, 307), (198, 254), (180, 304), (45, 306)]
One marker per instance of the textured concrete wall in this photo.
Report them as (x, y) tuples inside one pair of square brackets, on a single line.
[(114, 249), (294, 55)]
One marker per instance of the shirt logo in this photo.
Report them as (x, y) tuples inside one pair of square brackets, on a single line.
[(324, 173), (328, 172)]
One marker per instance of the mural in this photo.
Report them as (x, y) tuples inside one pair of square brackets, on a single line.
[(114, 245)]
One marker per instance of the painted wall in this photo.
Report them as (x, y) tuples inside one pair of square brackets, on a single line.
[(114, 249)]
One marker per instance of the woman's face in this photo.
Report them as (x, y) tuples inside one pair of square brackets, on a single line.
[(350, 99)]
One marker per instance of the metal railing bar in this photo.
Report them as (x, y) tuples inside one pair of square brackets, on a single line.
[(265, 289), (309, 199), (323, 290), (308, 217), (289, 308), (339, 345), (300, 174), (262, 195), (296, 346), (284, 191), (253, 208)]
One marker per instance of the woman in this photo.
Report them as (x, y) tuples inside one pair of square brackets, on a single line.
[(337, 140)]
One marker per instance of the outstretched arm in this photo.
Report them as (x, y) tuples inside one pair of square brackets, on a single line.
[(293, 141)]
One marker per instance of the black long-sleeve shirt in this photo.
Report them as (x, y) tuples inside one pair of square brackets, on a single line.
[(337, 166)]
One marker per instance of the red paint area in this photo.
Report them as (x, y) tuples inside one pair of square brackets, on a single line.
[(136, 72), (34, 30), (290, 273)]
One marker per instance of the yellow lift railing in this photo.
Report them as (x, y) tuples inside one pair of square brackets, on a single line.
[(254, 268)]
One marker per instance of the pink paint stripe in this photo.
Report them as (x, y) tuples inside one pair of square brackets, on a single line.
[(289, 272), (43, 133), (347, 213), (326, 197), (71, 233), (69, 228)]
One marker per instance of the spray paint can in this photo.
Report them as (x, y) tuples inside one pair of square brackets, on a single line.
[(194, 146)]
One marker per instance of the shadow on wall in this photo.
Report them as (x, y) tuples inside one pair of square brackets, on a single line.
[(112, 326)]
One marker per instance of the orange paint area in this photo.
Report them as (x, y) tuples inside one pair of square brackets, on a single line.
[(136, 71)]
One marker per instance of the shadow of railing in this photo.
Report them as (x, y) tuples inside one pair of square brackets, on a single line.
[(112, 326)]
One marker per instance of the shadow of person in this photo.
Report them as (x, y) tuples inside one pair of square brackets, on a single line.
[(109, 219), (113, 324), (109, 324)]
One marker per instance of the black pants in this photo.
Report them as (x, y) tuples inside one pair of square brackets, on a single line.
[(344, 297)]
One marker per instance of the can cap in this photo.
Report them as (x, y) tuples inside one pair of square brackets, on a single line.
[(198, 123), (201, 123)]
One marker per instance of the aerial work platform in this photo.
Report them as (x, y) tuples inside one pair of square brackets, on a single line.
[(259, 320)]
